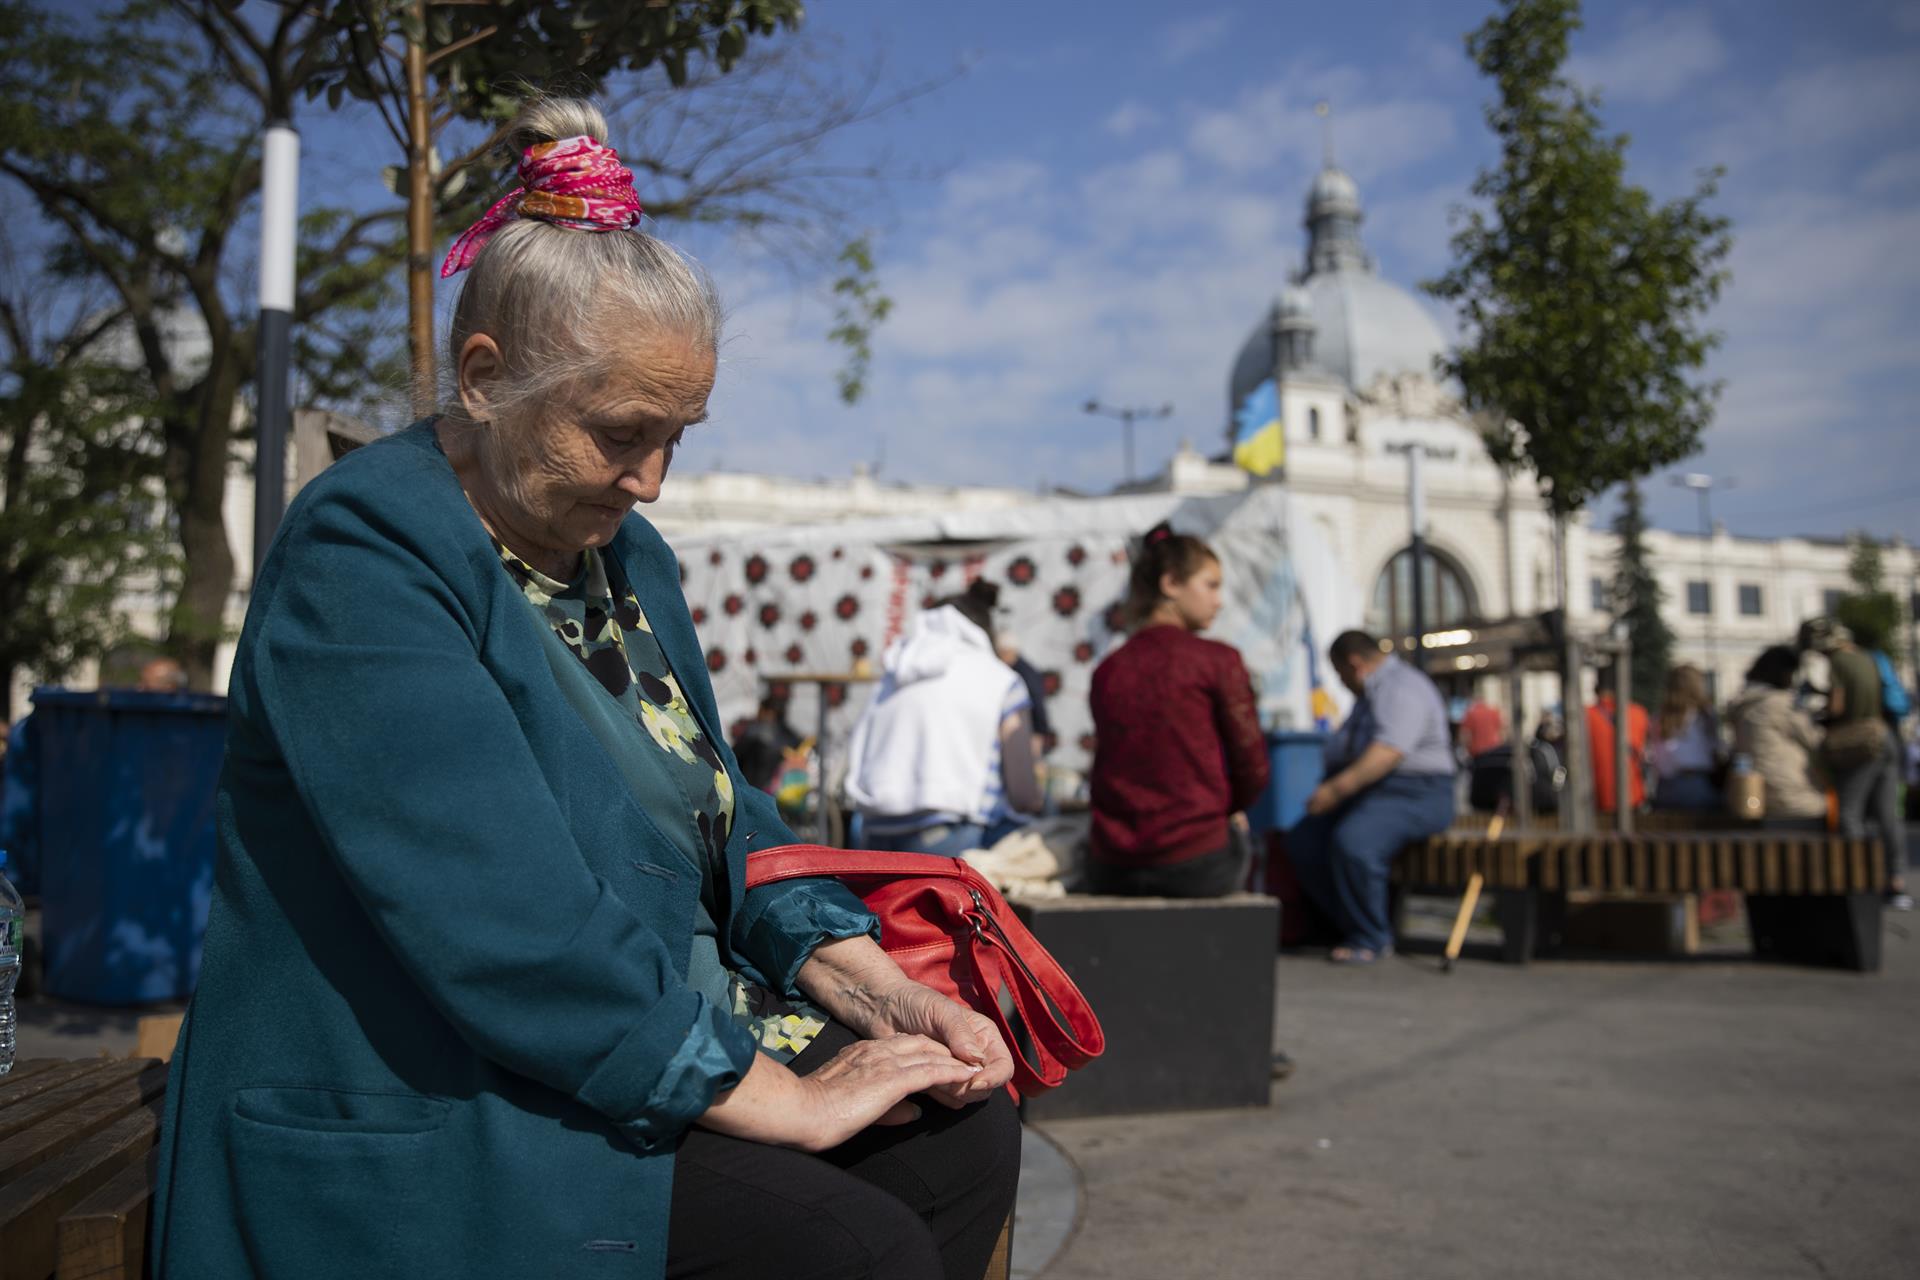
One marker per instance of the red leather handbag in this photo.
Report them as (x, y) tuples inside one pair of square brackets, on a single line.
[(948, 928)]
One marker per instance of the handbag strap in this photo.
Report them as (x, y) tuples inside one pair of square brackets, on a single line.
[(802, 861)]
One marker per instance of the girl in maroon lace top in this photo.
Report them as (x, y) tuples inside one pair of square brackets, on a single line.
[(1178, 751)]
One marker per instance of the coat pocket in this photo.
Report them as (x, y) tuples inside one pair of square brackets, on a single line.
[(331, 1182)]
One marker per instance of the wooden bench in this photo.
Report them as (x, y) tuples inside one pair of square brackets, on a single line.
[(1811, 898), (77, 1166)]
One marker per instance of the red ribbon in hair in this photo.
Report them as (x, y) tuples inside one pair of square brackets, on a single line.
[(575, 182)]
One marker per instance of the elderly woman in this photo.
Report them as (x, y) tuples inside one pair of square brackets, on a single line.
[(483, 991)]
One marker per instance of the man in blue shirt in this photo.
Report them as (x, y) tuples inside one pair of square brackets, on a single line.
[(1389, 780)]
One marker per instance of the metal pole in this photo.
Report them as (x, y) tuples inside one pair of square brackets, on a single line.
[(1520, 758), (1706, 558), (1417, 517), (279, 208), (1126, 422)]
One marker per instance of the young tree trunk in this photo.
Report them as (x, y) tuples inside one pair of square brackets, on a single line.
[(419, 222), (1577, 811), (200, 483)]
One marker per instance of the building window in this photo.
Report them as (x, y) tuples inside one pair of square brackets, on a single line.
[(1313, 424), (1602, 602), (1750, 600), (1699, 598), (1830, 601), (1446, 596)]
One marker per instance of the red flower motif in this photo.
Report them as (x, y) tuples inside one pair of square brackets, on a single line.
[(1021, 572), (1076, 556), (837, 553), (716, 660), (845, 607), (1050, 683), (858, 648), (769, 615), (937, 570), (808, 620), (1066, 601), (866, 572), (714, 558), (928, 600), (756, 569), (699, 614), (801, 568), (1083, 652), (1112, 617), (733, 605), (1087, 743), (794, 654), (836, 694), (751, 657)]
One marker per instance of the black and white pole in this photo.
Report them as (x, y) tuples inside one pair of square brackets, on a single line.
[(279, 209), (1417, 540)]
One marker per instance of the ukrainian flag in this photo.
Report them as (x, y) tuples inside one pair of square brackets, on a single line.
[(1259, 445)]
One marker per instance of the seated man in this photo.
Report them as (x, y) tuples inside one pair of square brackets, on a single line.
[(1389, 781)]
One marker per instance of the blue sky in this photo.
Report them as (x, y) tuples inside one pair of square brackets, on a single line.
[(1103, 203)]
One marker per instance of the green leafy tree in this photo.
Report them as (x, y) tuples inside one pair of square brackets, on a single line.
[(1870, 611), (1637, 599), (80, 488), (1581, 297), (139, 149), (427, 64), (134, 136)]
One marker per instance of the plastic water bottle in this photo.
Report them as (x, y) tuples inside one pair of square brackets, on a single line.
[(13, 925)]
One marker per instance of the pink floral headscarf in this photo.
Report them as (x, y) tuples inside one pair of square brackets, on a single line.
[(575, 182)]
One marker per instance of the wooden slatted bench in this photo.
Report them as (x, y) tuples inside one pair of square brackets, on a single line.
[(76, 1166), (1811, 898)]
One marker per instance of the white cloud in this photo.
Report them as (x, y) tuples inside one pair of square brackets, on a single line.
[(1897, 172), (1130, 118), (1274, 127), (1194, 35), (1660, 54)]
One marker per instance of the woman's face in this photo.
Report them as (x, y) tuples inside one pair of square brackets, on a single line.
[(1197, 599), (589, 457)]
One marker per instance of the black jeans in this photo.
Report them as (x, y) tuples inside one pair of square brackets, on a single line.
[(918, 1201)]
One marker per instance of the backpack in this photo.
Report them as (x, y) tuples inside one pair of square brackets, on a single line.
[(1893, 694)]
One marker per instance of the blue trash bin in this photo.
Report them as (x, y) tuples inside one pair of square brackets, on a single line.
[(127, 839), (1298, 766)]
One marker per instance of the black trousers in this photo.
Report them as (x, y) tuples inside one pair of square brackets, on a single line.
[(1211, 875), (918, 1201)]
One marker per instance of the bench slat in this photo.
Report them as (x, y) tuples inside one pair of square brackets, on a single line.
[(16, 1091), (128, 1085), (59, 1090), (104, 1237), (31, 1205), (23, 1068)]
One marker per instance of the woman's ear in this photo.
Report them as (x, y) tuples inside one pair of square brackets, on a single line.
[(1168, 585), (481, 368)]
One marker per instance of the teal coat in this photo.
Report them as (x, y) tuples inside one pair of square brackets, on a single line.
[(443, 1026)]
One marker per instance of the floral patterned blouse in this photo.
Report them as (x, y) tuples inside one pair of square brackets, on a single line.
[(599, 619)]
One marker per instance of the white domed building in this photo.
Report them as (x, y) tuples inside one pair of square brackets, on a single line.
[(1355, 359)]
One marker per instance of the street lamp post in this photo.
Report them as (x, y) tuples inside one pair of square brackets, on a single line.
[(1703, 486), (1128, 415)]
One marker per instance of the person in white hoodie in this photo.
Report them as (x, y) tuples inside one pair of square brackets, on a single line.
[(941, 760)]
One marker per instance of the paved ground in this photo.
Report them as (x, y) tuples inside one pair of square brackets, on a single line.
[(1571, 1119)]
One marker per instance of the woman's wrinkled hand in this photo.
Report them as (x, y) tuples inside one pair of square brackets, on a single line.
[(869, 1081), (970, 1036)]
